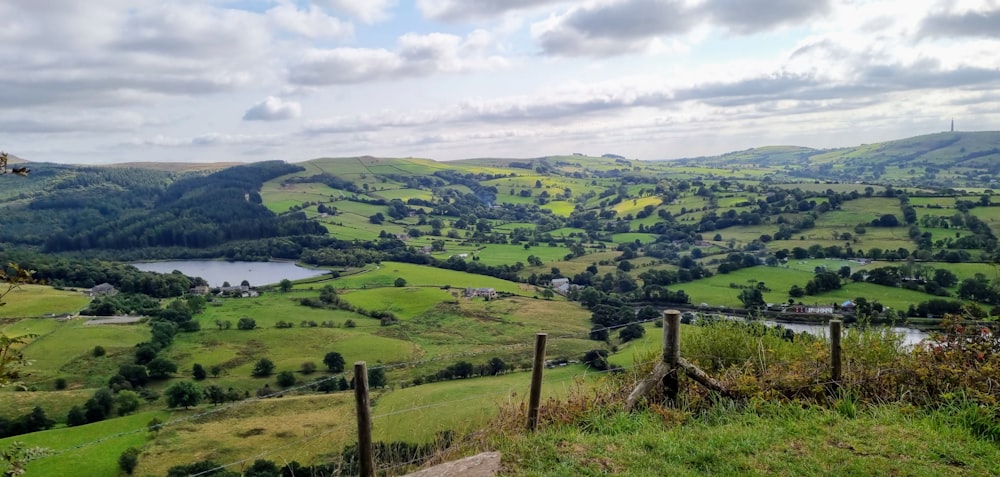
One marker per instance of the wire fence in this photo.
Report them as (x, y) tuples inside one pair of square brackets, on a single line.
[(521, 350)]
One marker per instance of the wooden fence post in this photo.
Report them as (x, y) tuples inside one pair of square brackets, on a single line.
[(835, 352), (366, 458), (671, 351), (534, 399)]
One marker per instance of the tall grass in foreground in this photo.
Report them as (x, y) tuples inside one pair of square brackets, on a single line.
[(929, 410)]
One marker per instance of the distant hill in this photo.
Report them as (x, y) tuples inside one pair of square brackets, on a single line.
[(177, 166), (947, 159)]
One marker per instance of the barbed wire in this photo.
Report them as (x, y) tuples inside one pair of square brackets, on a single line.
[(415, 363), (281, 392), (264, 453)]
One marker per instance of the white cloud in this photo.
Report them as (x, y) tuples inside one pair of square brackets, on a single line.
[(459, 10), (311, 23), (415, 56), (273, 109), (368, 11)]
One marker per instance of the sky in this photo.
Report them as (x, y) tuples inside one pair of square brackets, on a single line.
[(109, 81)]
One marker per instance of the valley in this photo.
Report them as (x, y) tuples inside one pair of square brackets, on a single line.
[(582, 248)]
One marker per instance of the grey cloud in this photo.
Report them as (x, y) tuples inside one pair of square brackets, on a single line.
[(629, 26), (459, 10), (752, 16), (273, 109), (612, 29), (969, 24), (416, 56), (122, 56)]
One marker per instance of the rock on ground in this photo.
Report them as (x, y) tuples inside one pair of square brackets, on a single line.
[(486, 464)]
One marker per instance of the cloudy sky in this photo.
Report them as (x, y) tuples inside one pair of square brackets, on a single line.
[(107, 81)]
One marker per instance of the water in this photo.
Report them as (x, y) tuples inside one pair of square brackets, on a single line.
[(911, 336), (216, 272)]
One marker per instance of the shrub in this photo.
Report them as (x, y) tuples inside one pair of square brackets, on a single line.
[(99, 351), (286, 379), (246, 323), (263, 368), (128, 461), (308, 367)]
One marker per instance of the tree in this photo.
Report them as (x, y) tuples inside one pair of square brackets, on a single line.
[(752, 298), (286, 379), (944, 278), (263, 368), (334, 362), (496, 366), (285, 285), (216, 370), (76, 417), (161, 368), (100, 405), (184, 393), (246, 323), (98, 351), (400, 282), (308, 367), (198, 371), (631, 332), (599, 333), (215, 394), (376, 378), (128, 461), (127, 402)]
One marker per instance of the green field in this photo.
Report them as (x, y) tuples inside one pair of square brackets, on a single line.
[(93, 458), (416, 275), (38, 300)]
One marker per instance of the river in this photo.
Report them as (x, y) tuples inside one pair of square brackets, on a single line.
[(215, 272)]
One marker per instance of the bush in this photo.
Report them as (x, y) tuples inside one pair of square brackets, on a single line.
[(286, 379), (246, 323), (99, 351), (263, 368), (308, 367), (128, 461), (60, 384)]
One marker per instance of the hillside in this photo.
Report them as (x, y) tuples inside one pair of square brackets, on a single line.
[(947, 159)]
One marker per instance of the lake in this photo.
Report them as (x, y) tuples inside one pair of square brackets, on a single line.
[(215, 272)]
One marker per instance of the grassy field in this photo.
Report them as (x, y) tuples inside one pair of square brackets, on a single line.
[(416, 275), (64, 349), (97, 459), (38, 300)]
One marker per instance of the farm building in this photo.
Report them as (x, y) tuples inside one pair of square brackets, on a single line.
[(487, 293), (104, 289)]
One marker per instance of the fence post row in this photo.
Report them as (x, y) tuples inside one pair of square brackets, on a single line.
[(535, 395), (366, 457), (671, 351), (835, 352)]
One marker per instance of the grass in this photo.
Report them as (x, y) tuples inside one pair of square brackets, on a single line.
[(416, 275), (37, 300), (97, 459), (65, 350), (762, 439)]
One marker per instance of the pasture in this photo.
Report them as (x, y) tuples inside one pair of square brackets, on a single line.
[(39, 300), (96, 459)]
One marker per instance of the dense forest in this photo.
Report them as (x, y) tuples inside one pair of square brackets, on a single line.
[(128, 209)]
